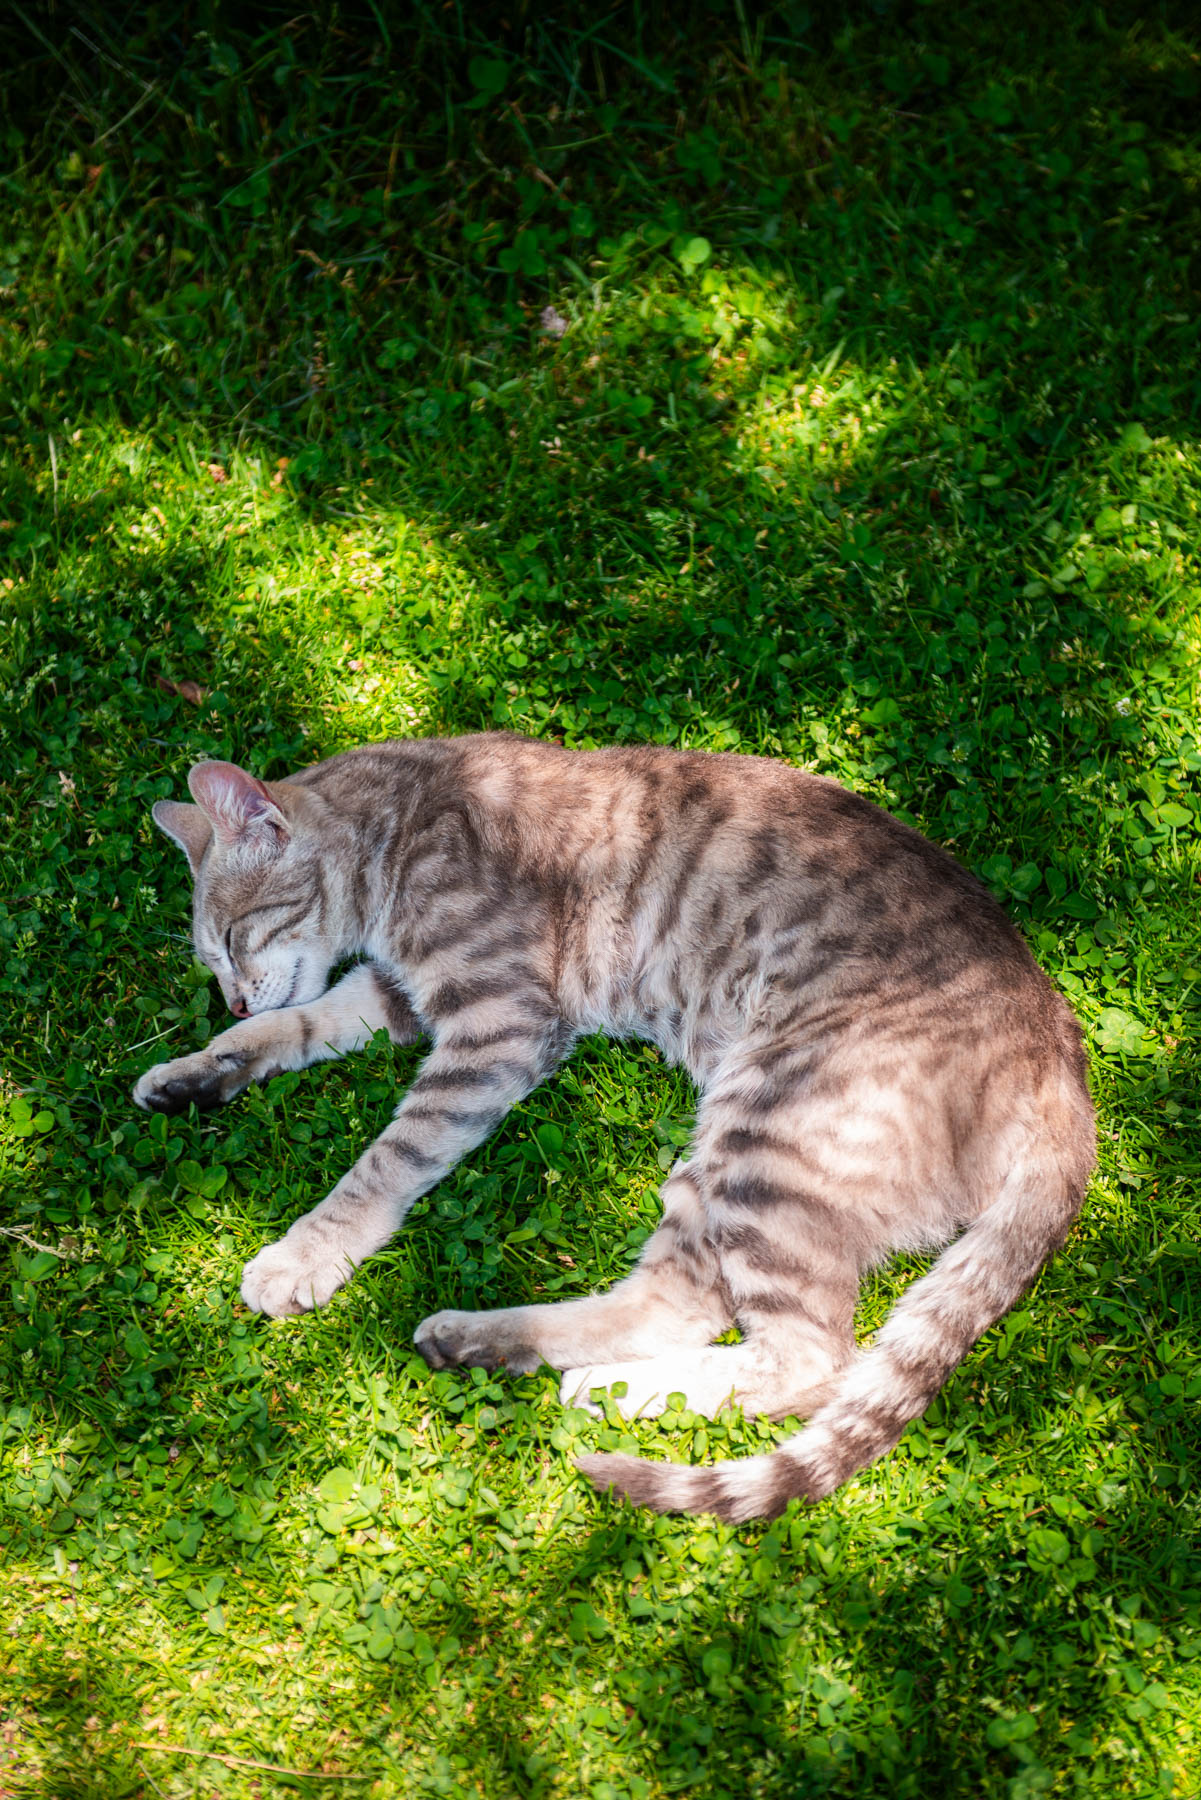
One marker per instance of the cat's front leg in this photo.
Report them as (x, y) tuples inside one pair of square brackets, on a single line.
[(466, 1086), (342, 1020)]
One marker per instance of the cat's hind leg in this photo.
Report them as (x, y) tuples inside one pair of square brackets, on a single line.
[(790, 1242), (796, 1314), (777, 1370), (674, 1297), (797, 1320)]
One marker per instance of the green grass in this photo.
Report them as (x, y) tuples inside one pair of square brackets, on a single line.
[(873, 441)]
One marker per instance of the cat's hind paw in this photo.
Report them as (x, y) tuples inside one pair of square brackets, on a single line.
[(295, 1275), (703, 1381), (475, 1339), (642, 1394)]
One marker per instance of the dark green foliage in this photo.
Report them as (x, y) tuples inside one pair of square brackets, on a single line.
[(863, 430)]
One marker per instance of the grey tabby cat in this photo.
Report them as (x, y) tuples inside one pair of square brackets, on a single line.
[(881, 1064)]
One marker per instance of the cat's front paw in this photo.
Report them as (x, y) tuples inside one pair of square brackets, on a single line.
[(301, 1271), (476, 1339), (205, 1080)]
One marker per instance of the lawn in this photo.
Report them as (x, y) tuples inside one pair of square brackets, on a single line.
[(823, 383)]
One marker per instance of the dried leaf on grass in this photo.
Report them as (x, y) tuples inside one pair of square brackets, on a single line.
[(188, 690)]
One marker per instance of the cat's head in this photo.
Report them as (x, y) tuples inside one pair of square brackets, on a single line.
[(260, 912)]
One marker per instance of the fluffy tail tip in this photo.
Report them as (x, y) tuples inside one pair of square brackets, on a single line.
[(755, 1488)]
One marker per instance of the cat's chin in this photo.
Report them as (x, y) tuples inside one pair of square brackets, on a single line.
[(283, 994)]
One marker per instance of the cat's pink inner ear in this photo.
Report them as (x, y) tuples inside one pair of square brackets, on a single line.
[(237, 805)]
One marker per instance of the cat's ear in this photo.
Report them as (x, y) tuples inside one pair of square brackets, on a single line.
[(238, 806), (186, 826)]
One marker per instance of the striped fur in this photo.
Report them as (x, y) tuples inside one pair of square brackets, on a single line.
[(880, 1064)]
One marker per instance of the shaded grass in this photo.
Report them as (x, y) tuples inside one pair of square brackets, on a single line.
[(871, 442)]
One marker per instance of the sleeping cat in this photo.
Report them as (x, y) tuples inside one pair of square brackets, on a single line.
[(881, 1066)]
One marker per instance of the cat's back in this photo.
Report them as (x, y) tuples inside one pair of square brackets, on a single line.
[(687, 871), (770, 827), (664, 815), (698, 844)]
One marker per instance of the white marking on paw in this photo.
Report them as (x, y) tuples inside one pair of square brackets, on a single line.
[(648, 1385), (575, 1389)]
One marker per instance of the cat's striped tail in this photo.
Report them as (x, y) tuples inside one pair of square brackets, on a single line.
[(922, 1342)]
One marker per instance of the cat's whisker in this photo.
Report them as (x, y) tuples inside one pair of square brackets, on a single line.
[(169, 1031)]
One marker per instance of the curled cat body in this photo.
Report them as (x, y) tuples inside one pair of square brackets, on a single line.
[(880, 1064)]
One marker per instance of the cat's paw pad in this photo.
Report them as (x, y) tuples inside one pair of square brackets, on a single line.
[(447, 1339), (202, 1080), (298, 1273)]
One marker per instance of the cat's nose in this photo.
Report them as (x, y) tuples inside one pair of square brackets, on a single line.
[(239, 1008)]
